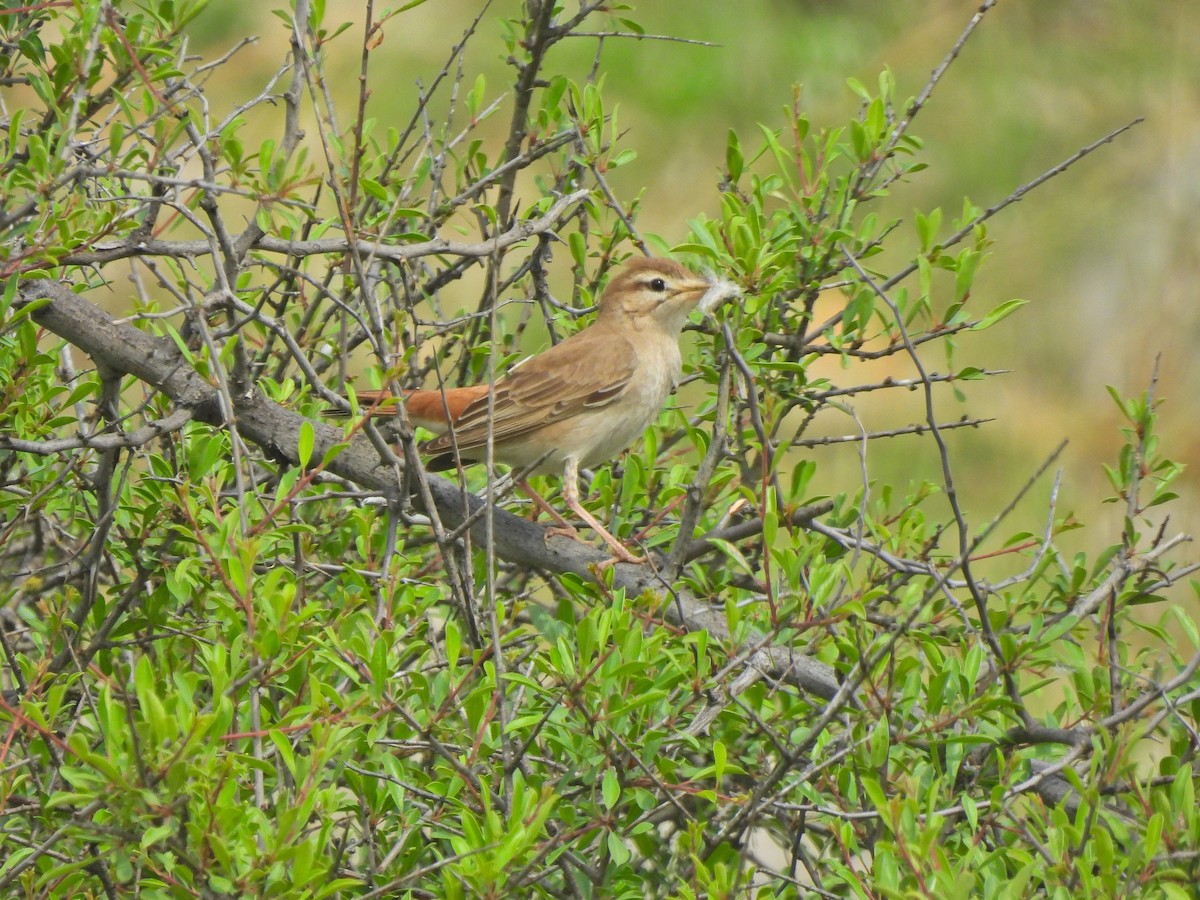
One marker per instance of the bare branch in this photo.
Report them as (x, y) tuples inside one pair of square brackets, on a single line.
[(391, 252)]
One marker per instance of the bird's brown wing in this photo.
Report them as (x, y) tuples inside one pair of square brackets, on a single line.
[(587, 371)]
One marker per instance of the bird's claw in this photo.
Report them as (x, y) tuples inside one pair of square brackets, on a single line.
[(624, 557), (568, 531), (619, 553)]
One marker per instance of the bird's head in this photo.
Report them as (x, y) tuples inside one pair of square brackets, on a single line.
[(658, 293)]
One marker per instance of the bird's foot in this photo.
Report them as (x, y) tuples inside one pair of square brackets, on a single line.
[(563, 530), (624, 556), (620, 554)]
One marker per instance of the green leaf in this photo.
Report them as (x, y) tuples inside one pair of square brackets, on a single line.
[(1153, 835), (1003, 311), (610, 788), (734, 161), (966, 265), (578, 245), (616, 849), (928, 228), (476, 94), (453, 641), (625, 157), (373, 188), (307, 439)]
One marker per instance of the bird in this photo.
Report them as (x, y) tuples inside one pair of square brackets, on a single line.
[(578, 403)]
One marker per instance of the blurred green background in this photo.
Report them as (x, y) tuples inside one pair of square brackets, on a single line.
[(1107, 253)]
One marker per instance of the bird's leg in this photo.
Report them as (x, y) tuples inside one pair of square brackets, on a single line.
[(563, 527), (571, 497)]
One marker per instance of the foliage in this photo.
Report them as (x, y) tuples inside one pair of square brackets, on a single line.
[(230, 671)]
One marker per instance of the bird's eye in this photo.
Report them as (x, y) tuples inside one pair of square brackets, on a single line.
[(658, 285)]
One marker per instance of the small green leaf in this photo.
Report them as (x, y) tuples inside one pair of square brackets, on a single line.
[(262, 218), (610, 788), (1164, 497), (625, 157), (970, 810), (373, 188), (307, 438), (617, 850), (578, 245), (734, 161), (453, 643), (966, 265), (1152, 837), (1003, 311), (928, 228), (475, 97)]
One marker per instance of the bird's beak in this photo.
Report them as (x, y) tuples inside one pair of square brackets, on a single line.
[(693, 290)]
